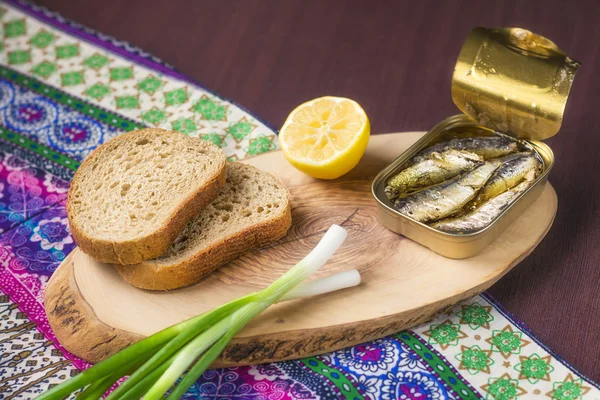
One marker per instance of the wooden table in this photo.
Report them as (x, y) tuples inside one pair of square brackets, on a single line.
[(396, 59)]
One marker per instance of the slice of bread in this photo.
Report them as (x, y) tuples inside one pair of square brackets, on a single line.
[(252, 210), (134, 195)]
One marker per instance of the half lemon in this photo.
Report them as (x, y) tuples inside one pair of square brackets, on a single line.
[(325, 137)]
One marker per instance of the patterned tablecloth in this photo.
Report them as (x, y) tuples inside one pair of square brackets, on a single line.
[(64, 89)]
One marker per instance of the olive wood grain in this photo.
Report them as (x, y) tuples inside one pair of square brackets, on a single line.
[(94, 313)]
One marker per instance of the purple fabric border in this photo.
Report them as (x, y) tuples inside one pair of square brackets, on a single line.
[(117, 47), (521, 325)]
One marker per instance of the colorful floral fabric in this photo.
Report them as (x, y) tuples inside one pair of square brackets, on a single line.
[(139, 94), (49, 122), (63, 91)]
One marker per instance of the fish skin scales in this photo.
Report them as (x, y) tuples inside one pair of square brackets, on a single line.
[(514, 169), (446, 198), (483, 215), (436, 168), (484, 146)]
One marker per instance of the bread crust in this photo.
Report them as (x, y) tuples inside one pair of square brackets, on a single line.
[(156, 243), (153, 276)]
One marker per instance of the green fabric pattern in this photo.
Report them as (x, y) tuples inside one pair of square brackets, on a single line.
[(437, 364), (37, 86), (334, 375), (38, 148)]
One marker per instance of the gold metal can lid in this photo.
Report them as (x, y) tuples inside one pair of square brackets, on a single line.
[(513, 81)]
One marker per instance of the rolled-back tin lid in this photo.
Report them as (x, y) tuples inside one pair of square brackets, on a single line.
[(513, 81)]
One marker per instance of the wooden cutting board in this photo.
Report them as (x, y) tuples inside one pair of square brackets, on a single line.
[(94, 313)]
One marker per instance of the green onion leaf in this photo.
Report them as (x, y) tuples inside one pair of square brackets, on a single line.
[(161, 359)]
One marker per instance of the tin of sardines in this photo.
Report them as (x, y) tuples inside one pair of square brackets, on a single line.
[(473, 174)]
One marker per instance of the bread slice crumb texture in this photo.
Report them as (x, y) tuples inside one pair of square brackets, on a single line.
[(252, 210), (136, 193)]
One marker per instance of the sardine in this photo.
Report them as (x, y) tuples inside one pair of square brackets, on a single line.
[(486, 147), (514, 169), (447, 198), (483, 215), (437, 168)]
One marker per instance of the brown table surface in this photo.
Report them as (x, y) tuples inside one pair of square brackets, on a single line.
[(396, 59)]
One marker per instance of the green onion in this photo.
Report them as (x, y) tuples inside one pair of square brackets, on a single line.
[(339, 281), (195, 344), (98, 388)]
